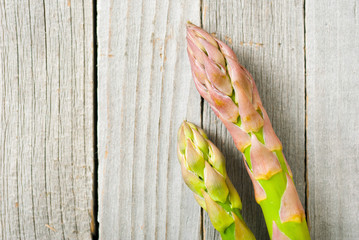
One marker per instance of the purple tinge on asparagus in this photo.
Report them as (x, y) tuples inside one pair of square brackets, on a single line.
[(232, 94)]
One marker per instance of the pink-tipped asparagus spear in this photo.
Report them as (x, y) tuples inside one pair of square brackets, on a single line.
[(232, 94)]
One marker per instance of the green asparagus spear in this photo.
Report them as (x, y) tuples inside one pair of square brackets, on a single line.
[(204, 171), (232, 94)]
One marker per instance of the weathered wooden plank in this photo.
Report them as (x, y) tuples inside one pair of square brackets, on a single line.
[(145, 91), (332, 34), (268, 37), (46, 114)]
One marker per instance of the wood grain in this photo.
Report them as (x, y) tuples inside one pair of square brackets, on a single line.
[(332, 34), (145, 92), (268, 38), (46, 130)]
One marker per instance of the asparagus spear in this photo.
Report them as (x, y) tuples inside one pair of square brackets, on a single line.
[(204, 171), (232, 94)]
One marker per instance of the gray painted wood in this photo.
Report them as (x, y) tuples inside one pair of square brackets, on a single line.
[(268, 38), (46, 130), (145, 91), (332, 34)]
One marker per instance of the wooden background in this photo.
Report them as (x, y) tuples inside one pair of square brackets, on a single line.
[(92, 94)]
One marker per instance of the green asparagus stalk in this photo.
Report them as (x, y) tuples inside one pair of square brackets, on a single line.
[(204, 171), (232, 94)]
